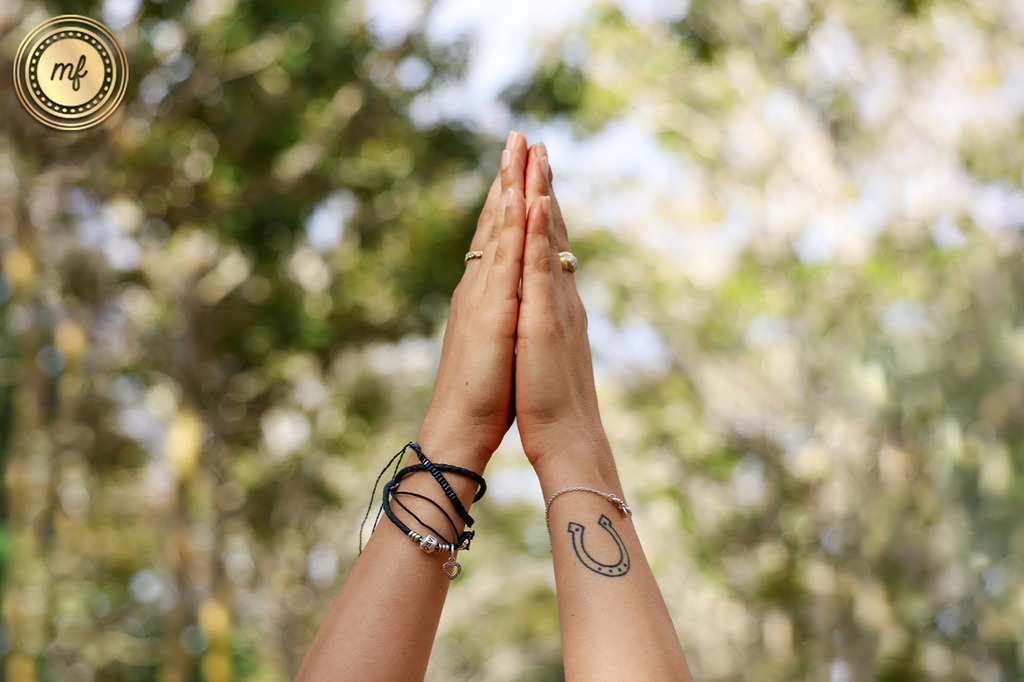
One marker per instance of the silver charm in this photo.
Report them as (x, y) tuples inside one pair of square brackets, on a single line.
[(451, 563)]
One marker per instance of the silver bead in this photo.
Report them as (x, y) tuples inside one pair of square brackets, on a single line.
[(428, 544)]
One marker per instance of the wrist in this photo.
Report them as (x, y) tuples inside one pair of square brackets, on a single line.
[(449, 444), (580, 464), (446, 521)]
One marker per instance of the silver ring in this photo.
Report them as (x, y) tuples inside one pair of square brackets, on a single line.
[(473, 254), (569, 261)]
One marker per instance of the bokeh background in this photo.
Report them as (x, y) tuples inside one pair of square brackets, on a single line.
[(799, 228)]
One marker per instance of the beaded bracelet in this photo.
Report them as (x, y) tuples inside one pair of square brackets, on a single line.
[(443, 482)]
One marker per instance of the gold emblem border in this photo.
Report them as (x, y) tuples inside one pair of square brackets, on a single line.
[(119, 67)]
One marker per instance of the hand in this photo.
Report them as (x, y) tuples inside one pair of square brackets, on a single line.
[(471, 406), (556, 401)]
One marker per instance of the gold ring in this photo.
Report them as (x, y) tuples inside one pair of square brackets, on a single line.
[(569, 261), (474, 254)]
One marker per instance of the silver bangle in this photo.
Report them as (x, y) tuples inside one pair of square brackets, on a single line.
[(626, 511)]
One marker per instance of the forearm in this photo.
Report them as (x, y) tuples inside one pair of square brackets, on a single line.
[(614, 622), (382, 623)]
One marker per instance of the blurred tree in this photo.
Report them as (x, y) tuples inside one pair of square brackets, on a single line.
[(218, 310), (259, 204)]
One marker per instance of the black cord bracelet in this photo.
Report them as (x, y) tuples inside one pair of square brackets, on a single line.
[(427, 543), (410, 512), (390, 490)]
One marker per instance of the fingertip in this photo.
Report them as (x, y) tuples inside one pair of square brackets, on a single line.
[(517, 142), (536, 219), (514, 169)]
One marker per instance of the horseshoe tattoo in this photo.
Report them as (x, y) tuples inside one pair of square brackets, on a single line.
[(619, 568)]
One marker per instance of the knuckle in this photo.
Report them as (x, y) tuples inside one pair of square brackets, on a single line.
[(486, 217), (551, 325), (559, 328), (503, 254), (575, 312), (580, 315)]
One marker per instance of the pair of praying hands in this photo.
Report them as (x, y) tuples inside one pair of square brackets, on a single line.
[(515, 347), (508, 355)]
